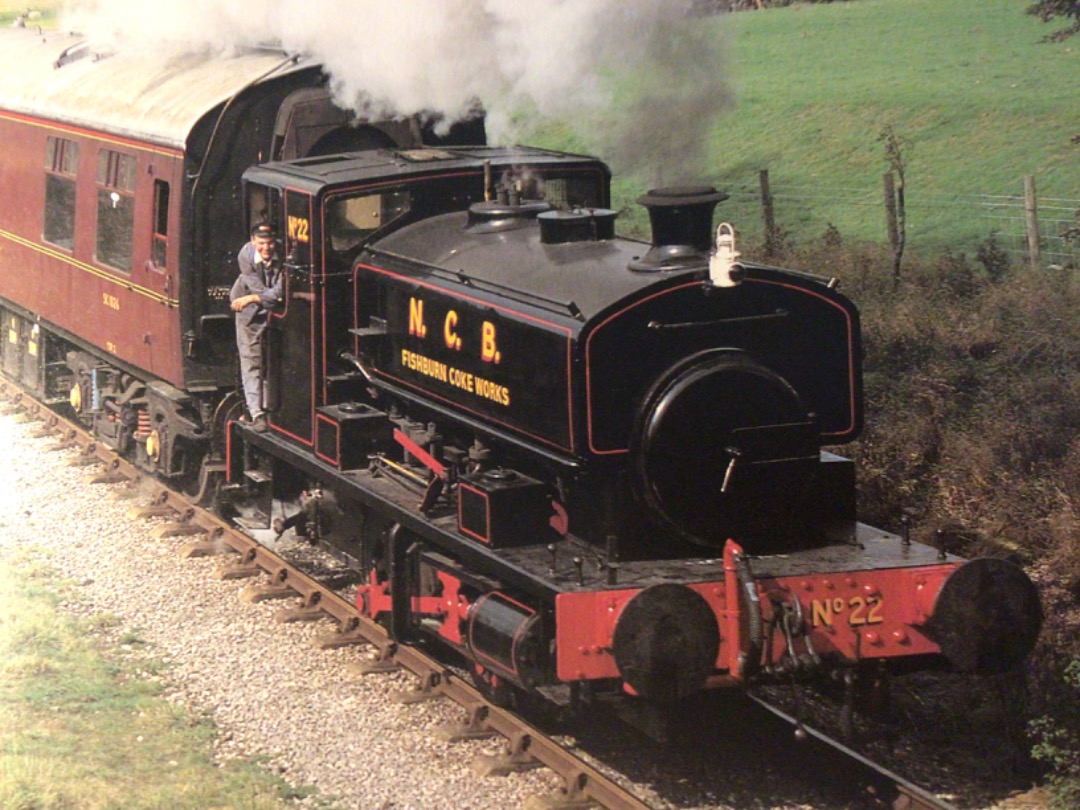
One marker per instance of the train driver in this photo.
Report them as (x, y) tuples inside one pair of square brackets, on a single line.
[(256, 291)]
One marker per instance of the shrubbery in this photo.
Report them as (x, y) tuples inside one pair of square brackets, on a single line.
[(972, 380), (1058, 743)]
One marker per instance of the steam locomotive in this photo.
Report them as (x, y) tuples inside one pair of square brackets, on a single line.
[(582, 460), (585, 463)]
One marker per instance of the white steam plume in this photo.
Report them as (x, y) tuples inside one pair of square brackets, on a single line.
[(635, 80)]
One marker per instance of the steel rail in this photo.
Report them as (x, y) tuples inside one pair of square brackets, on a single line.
[(909, 796)]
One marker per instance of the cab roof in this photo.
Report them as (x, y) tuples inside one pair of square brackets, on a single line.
[(376, 165)]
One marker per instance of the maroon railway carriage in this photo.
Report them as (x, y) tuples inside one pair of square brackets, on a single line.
[(122, 219)]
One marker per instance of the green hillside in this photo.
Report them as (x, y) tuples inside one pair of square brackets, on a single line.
[(968, 82), (982, 101)]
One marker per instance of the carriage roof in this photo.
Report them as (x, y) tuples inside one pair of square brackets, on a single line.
[(145, 95)]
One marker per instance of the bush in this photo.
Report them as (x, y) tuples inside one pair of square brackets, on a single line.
[(973, 395), (972, 385), (993, 258), (1058, 744), (972, 388)]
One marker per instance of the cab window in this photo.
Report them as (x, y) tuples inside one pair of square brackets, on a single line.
[(263, 205), (352, 219)]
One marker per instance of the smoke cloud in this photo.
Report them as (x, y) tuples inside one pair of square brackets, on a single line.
[(636, 81)]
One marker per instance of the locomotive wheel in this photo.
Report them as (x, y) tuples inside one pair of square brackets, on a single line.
[(494, 689)]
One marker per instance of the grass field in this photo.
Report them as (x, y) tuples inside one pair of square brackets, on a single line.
[(967, 82), (981, 101)]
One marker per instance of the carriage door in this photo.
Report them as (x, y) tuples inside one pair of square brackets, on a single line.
[(292, 360)]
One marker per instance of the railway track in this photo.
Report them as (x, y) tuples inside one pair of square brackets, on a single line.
[(527, 746)]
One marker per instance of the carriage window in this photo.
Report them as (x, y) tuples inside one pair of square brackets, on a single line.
[(160, 246), (61, 161), (350, 220), (115, 208)]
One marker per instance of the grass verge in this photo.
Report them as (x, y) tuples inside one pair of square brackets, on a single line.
[(83, 725)]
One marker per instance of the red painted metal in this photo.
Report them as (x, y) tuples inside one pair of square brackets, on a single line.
[(422, 455), (730, 636), (850, 616), (133, 315), (450, 608)]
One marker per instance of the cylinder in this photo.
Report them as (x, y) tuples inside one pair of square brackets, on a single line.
[(682, 215), (506, 637), (681, 219), (559, 227)]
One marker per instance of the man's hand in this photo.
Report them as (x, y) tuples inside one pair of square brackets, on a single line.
[(244, 301)]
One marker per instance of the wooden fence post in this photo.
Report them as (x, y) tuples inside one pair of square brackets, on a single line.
[(771, 247), (1031, 218), (890, 210)]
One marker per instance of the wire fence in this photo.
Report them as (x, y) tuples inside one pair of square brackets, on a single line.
[(1058, 227), (957, 222)]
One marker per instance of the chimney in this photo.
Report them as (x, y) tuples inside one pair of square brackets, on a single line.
[(682, 232)]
